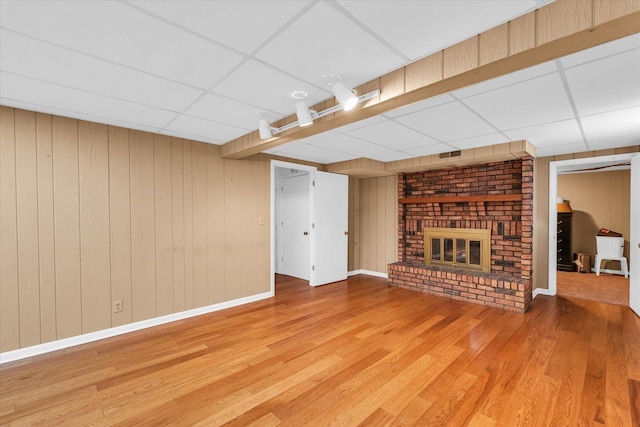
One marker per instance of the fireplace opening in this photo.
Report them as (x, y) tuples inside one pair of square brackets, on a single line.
[(465, 248)]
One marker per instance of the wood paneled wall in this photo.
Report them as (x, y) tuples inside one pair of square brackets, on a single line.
[(91, 213), (598, 199), (373, 223)]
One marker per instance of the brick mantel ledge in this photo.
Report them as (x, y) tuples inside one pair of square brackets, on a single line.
[(495, 290)]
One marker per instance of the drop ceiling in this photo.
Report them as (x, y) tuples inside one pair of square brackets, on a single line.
[(203, 70)]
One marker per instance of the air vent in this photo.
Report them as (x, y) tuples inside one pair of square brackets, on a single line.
[(457, 153)]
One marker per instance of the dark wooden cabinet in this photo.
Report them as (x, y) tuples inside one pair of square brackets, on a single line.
[(565, 258)]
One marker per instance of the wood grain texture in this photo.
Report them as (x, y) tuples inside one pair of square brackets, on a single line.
[(356, 352)]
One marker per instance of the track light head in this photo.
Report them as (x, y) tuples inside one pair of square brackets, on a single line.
[(303, 113), (345, 96), (265, 128)]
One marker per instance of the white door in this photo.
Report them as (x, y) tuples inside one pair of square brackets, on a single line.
[(294, 226), (634, 240), (331, 225)]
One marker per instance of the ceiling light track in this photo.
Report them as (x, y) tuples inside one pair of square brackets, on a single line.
[(306, 116)]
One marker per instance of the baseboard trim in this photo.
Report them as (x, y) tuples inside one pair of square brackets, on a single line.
[(368, 273), (23, 353), (541, 291)]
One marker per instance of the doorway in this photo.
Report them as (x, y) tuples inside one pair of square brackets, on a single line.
[(567, 166)]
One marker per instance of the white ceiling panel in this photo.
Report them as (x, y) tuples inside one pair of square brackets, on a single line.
[(218, 132), (312, 153), (322, 42), (507, 80), (540, 100), (606, 85), (429, 150), (601, 51), (391, 157), (122, 34), (419, 106), (549, 134), (612, 124), (353, 146), (558, 150), (393, 135), (615, 142), (241, 25), (258, 84), (362, 123), (479, 141), (42, 61), (41, 93), (448, 122), (433, 24), (225, 110)]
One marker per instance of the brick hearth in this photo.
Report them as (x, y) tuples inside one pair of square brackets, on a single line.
[(508, 285)]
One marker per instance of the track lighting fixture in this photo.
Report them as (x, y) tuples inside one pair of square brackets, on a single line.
[(345, 96), (304, 114), (265, 128)]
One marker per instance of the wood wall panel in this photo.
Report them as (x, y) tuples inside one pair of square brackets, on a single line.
[(188, 224), (143, 226), (200, 225), (95, 270), (494, 44), (178, 224), (46, 232), (215, 225), (374, 223), (605, 10), (27, 216), (67, 227), (563, 17), (164, 224), (460, 57), (120, 223), (9, 295), (91, 214)]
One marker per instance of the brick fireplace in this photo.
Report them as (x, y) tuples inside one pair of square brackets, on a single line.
[(495, 196)]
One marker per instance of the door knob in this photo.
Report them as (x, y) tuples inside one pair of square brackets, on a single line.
[(306, 233)]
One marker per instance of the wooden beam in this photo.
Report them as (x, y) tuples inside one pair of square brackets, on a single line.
[(451, 69)]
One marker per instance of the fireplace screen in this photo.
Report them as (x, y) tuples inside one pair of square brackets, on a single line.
[(458, 247)]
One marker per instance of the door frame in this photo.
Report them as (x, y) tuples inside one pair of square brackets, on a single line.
[(312, 172), (557, 168)]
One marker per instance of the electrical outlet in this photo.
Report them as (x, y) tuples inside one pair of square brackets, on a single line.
[(117, 306)]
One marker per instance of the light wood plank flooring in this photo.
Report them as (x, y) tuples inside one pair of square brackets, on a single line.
[(350, 353)]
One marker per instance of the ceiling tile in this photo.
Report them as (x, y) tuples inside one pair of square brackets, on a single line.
[(558, 150), (360, 124), (431, 149), (242, 25), (615, 142), (390, 157), (613, 124), (39, 60), (549, 134), (393, 135), (606, 85), (536, 101), (350, 145), (189, 136), (479, 141), (419, 106), (102, 108), (260, 85), (104, 29), (433, 25), (225, 110), (601, 51), (311, 153), (507, 80), (322, 42), (448, 122), (204, 128)]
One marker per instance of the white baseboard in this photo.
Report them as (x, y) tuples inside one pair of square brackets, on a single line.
[(541, 291), (23, 353), (368, 273)]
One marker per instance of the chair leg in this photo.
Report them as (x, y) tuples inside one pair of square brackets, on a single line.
[(597, 265), (624, 267)]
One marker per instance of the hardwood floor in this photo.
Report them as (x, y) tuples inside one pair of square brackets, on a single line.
[(350, 353)]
